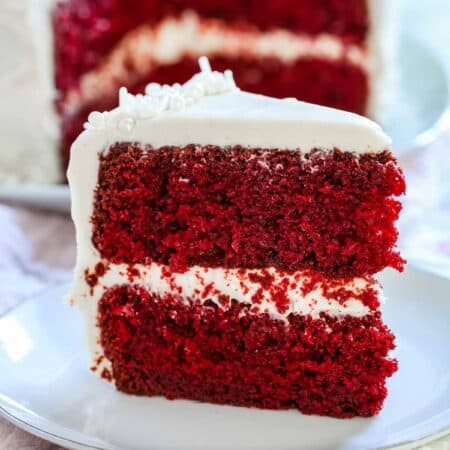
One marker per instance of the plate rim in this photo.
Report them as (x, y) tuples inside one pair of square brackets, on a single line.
[(58, 439), (41, 433)]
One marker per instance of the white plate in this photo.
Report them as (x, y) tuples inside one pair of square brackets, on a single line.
[(418, 114), (47, 389), (48, 197)]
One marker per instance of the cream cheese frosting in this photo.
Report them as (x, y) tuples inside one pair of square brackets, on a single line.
[(241, 285), (207, 110), (210, 109)]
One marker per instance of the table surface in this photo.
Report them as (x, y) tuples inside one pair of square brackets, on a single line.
[(42, 263)]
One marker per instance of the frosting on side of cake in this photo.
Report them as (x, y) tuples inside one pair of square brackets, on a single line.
[(208, 109), (173, 38)]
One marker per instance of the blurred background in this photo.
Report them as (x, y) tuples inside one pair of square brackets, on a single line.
[(37, 246), (429, 21), (425, 224)]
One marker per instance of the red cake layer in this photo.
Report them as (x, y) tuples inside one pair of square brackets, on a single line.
[(333, 212), (162, 346), (330, 83), (87, 30)]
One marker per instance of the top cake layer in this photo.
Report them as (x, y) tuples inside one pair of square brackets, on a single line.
[(204, 174)]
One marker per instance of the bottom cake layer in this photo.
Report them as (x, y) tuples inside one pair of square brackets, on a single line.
[(180, 349)]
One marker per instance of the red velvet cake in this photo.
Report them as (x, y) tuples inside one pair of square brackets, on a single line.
[(336, 53), (227, 247)]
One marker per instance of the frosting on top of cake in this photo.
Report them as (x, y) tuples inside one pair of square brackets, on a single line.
[(210, 109)]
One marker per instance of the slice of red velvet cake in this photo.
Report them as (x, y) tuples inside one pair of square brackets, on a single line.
[(227, 244)]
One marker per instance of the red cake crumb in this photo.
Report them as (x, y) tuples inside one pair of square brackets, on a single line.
[(264, 278), (325, 366), (132, 273), (333, 212), (92, 278), (97, 362), (106, 374)]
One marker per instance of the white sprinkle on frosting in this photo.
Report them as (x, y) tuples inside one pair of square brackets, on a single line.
[(166, 98), (126, 125), (96, 121)]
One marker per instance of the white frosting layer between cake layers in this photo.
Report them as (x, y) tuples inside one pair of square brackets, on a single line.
[(202, 283), (208, 110)]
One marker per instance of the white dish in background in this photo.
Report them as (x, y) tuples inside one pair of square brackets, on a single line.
[(48, 197), (47, 389), (417, 116), (420, 110)]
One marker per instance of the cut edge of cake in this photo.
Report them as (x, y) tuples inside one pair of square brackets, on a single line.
[(210, 110)]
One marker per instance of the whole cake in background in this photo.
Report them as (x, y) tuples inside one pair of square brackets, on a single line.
[(331, 52), (227, 247)]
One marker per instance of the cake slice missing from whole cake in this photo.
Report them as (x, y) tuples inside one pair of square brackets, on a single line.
[(227, 244)]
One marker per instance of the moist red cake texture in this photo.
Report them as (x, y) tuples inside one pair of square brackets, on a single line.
[(333, 212), (163, 346), (329, 214), (86, 31)]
